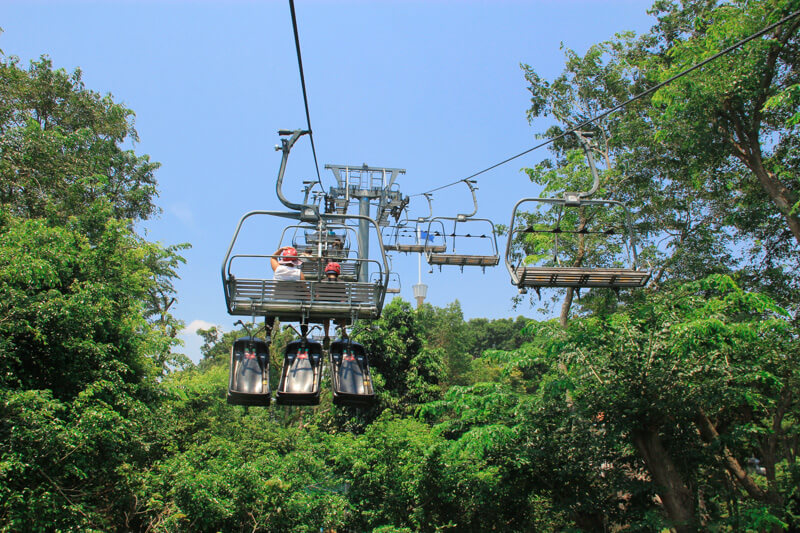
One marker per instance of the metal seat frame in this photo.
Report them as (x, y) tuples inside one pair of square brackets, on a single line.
[(536, 277), (302, 301), (434, 257), (416, 247)]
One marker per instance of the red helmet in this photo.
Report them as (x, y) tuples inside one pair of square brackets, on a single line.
[(289, 255), (333, 267)]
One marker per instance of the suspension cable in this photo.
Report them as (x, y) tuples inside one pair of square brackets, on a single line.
[(305, 96), (623, 104)]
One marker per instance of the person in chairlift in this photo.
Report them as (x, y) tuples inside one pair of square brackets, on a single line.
[(286, 265), (332, 271)]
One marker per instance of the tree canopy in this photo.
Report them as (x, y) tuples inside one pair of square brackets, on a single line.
[(674, 407)]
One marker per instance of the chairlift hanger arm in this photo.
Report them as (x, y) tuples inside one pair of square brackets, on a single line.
[(574, 198), (472, 189), (308, 212), (428, 197)]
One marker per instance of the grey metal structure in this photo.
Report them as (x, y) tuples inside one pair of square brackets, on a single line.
[(366, 185), (451, 257), (301, 301), (309, 300), (527, 276), (403, 229)]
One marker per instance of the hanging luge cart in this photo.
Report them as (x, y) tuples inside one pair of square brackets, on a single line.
[(350, 374), (250, 290), (616, 277), (301, 373), (479, 230), (249, 375)]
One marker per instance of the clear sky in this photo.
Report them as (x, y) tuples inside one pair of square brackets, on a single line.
[(434, 87)]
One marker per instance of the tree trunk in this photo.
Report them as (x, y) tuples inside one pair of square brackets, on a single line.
[(565, 307), (678, 500), (709, 433), (781, 196)]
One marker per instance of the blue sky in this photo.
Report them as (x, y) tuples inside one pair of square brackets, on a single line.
[(432, 87)]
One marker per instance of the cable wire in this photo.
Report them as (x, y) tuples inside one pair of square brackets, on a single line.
[(623, 104), (305, 95)]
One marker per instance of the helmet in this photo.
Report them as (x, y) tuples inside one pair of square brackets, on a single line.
[(333, 267), (289, 256)]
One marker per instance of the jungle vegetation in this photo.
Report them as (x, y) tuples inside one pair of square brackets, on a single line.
[(674, 407)]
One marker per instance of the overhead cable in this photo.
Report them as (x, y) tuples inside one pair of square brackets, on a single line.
[(305, 95), (623, 104)]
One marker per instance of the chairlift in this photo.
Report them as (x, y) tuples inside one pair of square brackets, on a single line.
[(480, 230), (412, 236), (394, 285), (318, 247), (536, 276), (250, 291)]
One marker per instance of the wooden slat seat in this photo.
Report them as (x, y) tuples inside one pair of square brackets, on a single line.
[(581, 277), (463, 260), (292, 300), (417, 248)]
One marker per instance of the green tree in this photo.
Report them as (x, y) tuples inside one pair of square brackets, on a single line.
[(85, 334), (61, 149), (706, 164)]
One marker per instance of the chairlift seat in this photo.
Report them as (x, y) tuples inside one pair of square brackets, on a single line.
[(417, 248), (463, 260), (614, 278), (293, 301)]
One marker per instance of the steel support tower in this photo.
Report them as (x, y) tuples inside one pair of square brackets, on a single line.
[(369, 187)]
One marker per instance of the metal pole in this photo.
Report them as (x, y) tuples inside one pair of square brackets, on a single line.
[(363, 239), (419, 261)]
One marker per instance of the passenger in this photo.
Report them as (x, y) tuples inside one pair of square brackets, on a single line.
[(287, 265), (332, 271)]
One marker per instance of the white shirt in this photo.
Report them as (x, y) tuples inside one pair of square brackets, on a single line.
[(287, 273)]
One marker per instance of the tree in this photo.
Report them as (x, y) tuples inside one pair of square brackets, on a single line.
[(697, 160), (60, 149), (85, 334), (79, 366), (696, 380)]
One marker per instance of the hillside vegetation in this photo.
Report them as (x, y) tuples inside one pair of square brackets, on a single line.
[(674, 407)]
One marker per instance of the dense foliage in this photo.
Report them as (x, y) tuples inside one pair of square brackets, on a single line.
[(672, 407)]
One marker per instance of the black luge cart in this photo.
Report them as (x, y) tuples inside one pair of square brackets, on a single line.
[(350, 374), (249, 372), (301, 374)]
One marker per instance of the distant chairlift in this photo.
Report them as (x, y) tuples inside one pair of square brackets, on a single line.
[(394, 285), (526, 276), (414, 236), (479, 230), (317, 248)]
